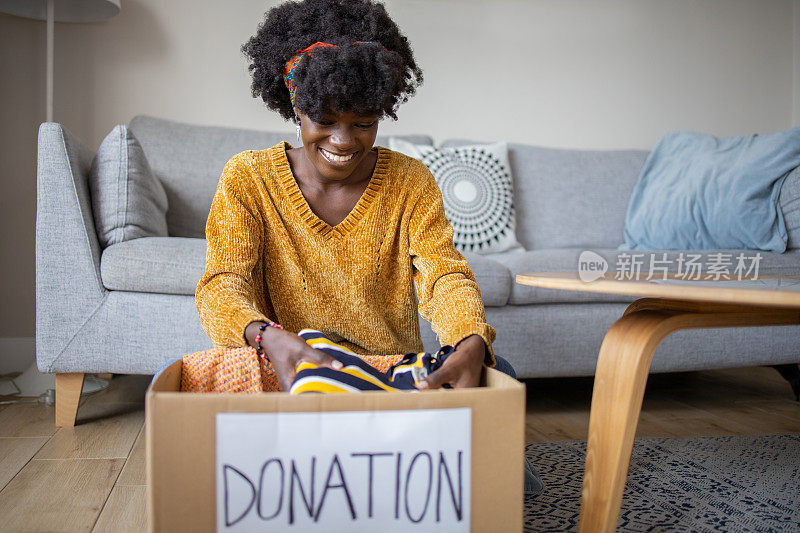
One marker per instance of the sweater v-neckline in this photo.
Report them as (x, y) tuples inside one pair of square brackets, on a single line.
[(280, 160)]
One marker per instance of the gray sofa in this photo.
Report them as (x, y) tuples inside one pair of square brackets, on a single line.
[(129, 308)]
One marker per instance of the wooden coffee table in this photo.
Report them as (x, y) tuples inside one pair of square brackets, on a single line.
[(624, 360)]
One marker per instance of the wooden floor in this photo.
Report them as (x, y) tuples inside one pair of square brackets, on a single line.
[(92, 477)]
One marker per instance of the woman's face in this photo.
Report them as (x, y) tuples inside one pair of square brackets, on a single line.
[(338, 144)]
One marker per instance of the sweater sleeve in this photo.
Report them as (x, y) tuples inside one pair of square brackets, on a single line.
[(449, 297), (225, 294)]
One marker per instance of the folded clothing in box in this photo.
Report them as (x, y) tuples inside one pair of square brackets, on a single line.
[(240, 370)]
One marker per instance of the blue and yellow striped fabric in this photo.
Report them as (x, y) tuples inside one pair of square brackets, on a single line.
[(357, 375)]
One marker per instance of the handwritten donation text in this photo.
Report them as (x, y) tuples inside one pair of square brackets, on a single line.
[(344, 471)]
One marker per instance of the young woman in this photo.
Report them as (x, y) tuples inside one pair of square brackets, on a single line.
[(336, 234)]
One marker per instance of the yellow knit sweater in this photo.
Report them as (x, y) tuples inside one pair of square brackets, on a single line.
[(270, 256)]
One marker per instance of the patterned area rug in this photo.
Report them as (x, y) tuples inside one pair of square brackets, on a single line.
[(749, 483)]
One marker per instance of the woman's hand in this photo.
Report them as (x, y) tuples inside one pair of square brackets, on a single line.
[(286, 350), (462, 368)]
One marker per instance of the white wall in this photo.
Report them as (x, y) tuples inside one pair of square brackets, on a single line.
[(568, 73), (611, 74), (22, 94), (591, 74)]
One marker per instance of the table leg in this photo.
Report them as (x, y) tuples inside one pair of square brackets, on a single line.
[(622, 369)]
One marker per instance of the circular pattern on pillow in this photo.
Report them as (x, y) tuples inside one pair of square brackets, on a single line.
[(477, 192)]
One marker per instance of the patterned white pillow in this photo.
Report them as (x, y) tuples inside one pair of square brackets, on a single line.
[(476, 187)]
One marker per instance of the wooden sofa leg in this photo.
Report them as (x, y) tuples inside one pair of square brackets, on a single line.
[(68, 395)]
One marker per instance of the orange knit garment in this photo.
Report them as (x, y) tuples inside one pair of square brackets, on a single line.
[(270, 257), (241, 370)]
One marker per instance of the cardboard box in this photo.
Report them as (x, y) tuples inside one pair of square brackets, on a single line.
[(182, 438)]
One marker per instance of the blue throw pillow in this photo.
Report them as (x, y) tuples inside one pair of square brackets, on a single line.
[(698, 192)]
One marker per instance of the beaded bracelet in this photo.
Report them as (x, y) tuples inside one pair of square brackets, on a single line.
[(261, 328)]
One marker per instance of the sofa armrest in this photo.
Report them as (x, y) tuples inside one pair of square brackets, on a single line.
[(68, 285)]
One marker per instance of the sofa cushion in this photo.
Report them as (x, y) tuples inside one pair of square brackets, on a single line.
[(570, 198), (476, 190), (188, 159), (494, 279), (566, 260), (790, 207), (174, 265), (169, 265), (128, 200), (697, 191)]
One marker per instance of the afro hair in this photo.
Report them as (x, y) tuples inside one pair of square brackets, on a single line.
[(366, 79)]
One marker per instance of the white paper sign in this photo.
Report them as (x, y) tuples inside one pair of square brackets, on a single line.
[(345, 471)]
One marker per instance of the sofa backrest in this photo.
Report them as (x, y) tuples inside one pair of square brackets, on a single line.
[(570, 198), (188, 159)]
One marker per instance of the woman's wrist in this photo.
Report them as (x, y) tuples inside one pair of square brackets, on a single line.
[(476, 345), (473, 341), (250, 332), (257, 332)]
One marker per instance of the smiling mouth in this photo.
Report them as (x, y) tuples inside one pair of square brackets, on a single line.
[(337, 159)]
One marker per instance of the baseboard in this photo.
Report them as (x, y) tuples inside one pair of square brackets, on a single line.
[(16, 354)]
